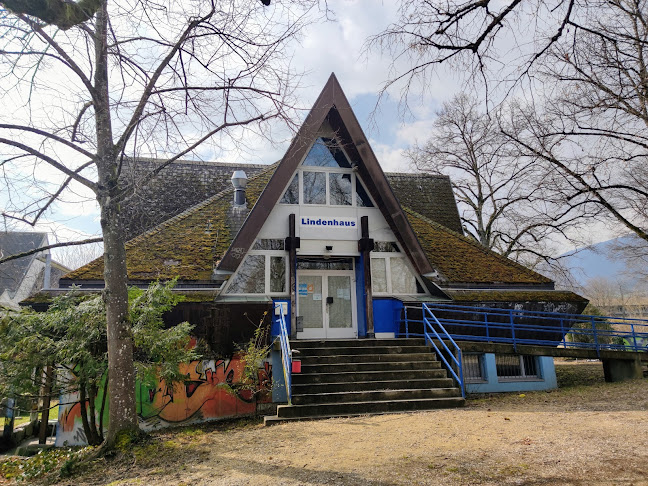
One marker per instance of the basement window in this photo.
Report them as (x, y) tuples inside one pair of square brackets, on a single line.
[(513, 367), (473, 368)]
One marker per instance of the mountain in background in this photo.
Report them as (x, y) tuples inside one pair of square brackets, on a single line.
[(600, 261)]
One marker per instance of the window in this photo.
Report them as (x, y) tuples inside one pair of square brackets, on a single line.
[(250, 276), (326, 177), (362, 198), (391, 274), (340, 189), (314, 184), (326, 152), (402, 279), (322, 264), (268, 244), (378, 275), (277, 274), (386, 247), (473, 369), (516, 367), (291, 196), (260, 274)]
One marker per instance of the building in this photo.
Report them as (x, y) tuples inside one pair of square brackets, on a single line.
[(342, 246), (26, 276)]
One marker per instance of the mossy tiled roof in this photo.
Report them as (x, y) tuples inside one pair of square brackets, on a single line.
[(186, 246), (429, 195), (515, 295), (461, 260), (189, 245)]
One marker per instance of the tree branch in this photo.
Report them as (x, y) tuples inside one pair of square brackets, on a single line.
[(49, 247)]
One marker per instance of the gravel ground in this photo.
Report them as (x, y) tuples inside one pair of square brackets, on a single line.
[(587, 433)]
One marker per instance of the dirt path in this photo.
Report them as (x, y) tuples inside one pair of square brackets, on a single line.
[(580, 435)]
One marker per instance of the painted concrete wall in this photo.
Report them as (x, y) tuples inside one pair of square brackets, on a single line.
[(206, 395), (493, 384), (386, 317)]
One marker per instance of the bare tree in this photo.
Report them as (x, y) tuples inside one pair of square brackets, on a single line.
[(494, 42), (134, 79), (580, 69), (505, 204), (591, 125)]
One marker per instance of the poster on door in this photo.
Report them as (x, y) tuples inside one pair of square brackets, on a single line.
[(302, 290)]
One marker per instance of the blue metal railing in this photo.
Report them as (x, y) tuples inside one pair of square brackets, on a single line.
[(517, 327), (432, 324), (286, 352)]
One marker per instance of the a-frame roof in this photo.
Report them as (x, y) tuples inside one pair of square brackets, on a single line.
[(333, 107), (191, 244)]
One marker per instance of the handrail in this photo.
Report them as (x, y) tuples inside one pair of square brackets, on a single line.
[(286, 352), (517, 327), (456, 355)]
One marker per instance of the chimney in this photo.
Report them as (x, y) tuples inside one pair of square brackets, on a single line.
[(239, 181), (47, 277)]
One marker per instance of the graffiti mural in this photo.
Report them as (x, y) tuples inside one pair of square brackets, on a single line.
[(210, 392)]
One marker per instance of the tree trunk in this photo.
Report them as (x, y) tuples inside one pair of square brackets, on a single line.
[(85, 420), (104, 397), (46, 394), (92, 422), (121, 372)]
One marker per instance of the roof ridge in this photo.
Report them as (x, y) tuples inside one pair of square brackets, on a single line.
[(413, 175), (205, 162), (475, 244)]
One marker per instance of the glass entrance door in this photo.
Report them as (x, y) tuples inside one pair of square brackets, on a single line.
[(326, 304)]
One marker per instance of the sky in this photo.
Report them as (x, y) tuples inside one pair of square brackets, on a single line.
[(338, 46), (333, 46)]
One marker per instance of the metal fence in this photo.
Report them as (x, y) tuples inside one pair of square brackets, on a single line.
[(518, 327)]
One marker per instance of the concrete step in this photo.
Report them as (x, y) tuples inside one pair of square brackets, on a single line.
[(354, 376), (370, 407), (351, 386), (337, 351), (374, 395), (360, 367), (357, 343), (367, 358), (269, 420)]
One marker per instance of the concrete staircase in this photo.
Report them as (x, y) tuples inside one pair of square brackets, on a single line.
[(342, 378)]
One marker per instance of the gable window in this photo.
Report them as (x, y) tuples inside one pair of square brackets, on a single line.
[(326, 153), (291, 196), (340, 189), (326, 177), (314, 184)]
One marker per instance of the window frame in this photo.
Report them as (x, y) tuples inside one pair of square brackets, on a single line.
[(387, 256), (327, 170), (267, 254)]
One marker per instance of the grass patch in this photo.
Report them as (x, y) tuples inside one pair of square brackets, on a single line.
[(579, 373), (25, 419)]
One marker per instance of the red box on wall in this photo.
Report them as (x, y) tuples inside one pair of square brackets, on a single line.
[(296, 366)]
